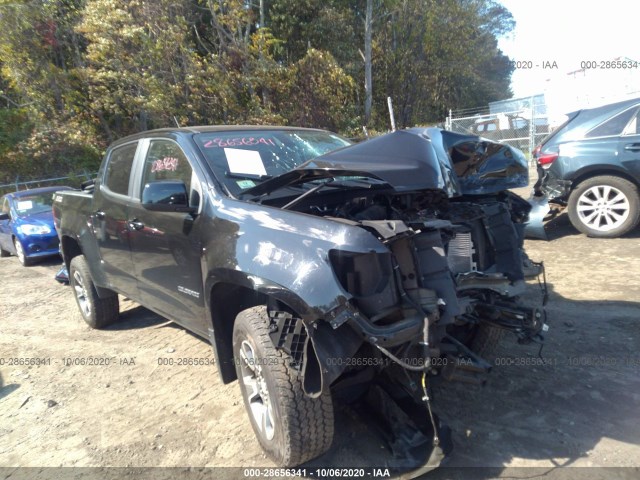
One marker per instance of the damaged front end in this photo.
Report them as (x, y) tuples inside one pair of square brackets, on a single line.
[(414, 311)]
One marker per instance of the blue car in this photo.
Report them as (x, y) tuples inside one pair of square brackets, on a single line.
[(26, 224)]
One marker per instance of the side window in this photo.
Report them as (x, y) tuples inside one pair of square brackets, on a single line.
[(491, 127), (119, 168), (166, 161), (633, 128), (5, 205), (613, 126)]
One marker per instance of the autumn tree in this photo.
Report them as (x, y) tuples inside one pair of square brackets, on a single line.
[(431, 55), (78, 74)]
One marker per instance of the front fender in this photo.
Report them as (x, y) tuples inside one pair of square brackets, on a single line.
[(282, 252)]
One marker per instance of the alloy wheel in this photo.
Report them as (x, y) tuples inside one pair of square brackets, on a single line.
[(603, 208), (257, 391), (81, 294), (19, 251)]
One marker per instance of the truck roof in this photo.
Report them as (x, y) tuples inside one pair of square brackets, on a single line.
[(210, 128)]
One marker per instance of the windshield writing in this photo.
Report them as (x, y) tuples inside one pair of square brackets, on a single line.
[(244, 159)]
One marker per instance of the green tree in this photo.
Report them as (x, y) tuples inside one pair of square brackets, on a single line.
[(321, 94), (77, 74), (432, 55)]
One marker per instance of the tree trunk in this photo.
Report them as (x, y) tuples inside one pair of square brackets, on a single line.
[(368, 92), (262, 25)]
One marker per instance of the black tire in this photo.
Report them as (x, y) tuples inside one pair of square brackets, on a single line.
[(4, 253), (617, 200), (487, 340), (97, 312), (299, 427), (22, 258)]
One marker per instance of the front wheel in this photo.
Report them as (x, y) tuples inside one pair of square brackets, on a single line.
[(605, 207), (97, 312), (24, 260), (487, 340), (291, 427)]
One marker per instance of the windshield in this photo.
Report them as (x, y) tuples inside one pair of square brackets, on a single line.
[(26, 205), (243, 159)]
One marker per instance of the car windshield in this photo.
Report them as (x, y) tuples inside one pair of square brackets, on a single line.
[(26, 205), (243, 159)]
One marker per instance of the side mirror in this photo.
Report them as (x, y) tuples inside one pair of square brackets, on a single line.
[(4, 216), (166, 196)]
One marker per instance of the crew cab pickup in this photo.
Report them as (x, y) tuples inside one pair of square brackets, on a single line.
[(313, 267)]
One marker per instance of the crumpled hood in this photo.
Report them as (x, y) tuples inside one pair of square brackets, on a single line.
[(418, 159), (401, 159), (482, 165)]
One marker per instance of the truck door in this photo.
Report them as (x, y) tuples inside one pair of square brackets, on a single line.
[(165, 245), (109, 216)]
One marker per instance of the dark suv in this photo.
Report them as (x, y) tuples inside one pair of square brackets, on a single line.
[(591, 166)]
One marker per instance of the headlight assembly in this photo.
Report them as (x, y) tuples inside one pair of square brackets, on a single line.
[(362, 274), (34, 229)]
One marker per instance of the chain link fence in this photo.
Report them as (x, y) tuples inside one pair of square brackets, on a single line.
[(522, 128), (22, 184)]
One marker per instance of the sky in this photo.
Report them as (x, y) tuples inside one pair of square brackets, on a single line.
[(567, 32)]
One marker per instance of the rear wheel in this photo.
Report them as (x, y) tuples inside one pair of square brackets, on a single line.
[(4, 253), (291, 427), (24, 260), (605, 207), (97, 312)]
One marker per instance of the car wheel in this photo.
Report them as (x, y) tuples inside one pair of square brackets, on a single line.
[(97, 312), (487, 340), (290, 426), (605, 207), (4, 253), (24, 260)]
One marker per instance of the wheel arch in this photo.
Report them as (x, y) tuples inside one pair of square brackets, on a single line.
[(602, 171), (14, 238), (70, 248), (227, 297)]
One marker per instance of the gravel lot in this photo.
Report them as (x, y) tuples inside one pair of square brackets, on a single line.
[(578, 408)]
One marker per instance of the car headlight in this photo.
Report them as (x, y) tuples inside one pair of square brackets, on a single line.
[(34, 229), (362, 274)]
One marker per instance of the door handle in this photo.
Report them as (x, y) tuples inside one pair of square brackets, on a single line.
[(135, 224), (632, 147), (99, 215)]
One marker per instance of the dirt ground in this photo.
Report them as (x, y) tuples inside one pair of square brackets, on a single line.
[(578, 408)]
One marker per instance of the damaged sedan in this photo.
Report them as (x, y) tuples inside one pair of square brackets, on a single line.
[(318, 270)]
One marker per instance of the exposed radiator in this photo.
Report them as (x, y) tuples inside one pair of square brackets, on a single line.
[(460, 256)]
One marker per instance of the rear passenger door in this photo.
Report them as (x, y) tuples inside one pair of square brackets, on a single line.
[(109, 219), (166, 245)]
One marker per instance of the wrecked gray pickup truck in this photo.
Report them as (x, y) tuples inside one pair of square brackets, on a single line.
[(362, 274)]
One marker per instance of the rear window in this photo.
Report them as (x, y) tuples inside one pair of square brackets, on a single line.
[(633, 128), (614, 126), (119, 168)]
